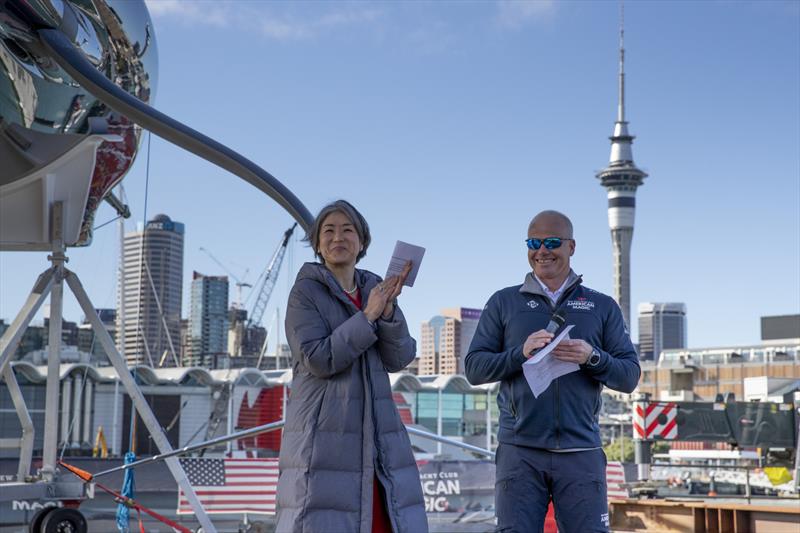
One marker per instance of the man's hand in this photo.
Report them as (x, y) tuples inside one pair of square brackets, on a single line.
[(536, 341), (572, 351)]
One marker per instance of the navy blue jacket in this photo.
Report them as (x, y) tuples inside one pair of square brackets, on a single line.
[(566, 414)]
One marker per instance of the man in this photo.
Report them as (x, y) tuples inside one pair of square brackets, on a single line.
[(550, 446)]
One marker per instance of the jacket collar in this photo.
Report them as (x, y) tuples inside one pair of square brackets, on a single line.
[(532, 286), (365, 280)]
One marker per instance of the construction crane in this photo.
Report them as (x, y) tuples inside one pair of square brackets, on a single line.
[(268, 279), (239, 283)]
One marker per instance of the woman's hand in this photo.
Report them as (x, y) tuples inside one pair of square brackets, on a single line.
[(382, 296), (388, 309)]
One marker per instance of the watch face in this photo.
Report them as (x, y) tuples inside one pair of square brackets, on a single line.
[(594, 358)]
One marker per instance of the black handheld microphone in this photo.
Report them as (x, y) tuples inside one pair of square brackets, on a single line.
[(558, 319)]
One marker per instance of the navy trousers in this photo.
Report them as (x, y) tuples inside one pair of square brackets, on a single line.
[(528, 478)]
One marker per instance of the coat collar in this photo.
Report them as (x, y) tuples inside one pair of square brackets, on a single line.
[(365, 280), (531, 284)]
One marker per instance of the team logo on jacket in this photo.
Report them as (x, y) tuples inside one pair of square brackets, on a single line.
[(533, 304), (581, 304)]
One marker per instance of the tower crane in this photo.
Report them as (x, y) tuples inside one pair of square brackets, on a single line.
[(239, 283), (269, 277)]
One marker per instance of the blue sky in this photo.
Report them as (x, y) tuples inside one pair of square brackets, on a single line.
[(450, 124)]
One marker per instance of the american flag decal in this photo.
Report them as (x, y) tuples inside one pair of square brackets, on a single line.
[(231, 485)]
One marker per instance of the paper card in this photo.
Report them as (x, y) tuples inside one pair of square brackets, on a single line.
[(403, 253), (541, 369)]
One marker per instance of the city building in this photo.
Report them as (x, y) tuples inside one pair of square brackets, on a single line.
[(621, 178), (34, 338), (445, 339), (69, 332), (662, 326), (468, 322), (244, 340), (87, 341), (150, 293), (208, 319), (704, 373), (430, 345)]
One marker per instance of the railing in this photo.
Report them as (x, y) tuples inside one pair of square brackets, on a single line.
[(272, 426)]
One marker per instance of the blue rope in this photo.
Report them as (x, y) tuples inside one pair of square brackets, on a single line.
[(128, 489)]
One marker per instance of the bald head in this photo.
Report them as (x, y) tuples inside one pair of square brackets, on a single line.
[(552, 219)]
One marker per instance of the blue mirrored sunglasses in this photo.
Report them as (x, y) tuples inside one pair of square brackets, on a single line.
[(550, 243)]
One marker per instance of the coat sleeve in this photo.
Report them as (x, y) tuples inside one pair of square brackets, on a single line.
[(324, 352), (395, 344), (618, 368), (489, 359)]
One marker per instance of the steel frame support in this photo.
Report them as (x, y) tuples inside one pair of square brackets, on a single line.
[(26, 441), (137, 398), (10, 339), (57, 258)]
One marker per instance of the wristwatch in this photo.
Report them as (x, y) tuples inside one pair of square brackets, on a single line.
[(594, 358)]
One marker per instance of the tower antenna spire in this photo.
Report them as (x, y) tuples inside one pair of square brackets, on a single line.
[(621, 178), (621, 104)]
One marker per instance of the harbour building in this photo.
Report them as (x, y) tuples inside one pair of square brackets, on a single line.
[(703, 374)]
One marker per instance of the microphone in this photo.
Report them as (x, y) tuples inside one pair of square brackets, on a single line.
[(556, 321)]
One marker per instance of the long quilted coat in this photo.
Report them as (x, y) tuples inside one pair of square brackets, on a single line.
[(342, 426)]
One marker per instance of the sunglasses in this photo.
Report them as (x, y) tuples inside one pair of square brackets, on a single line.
[(551, 243)]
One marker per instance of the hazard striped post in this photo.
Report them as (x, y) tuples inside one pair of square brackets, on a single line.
[(641, 435)]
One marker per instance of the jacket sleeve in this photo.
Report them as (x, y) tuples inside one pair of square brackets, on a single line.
[(395, 345), (489, 359), (618, 368), (324, 352)]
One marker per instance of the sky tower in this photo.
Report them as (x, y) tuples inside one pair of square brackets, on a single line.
[(621, 178)]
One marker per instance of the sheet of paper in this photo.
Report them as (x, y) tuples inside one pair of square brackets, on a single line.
[(404, 252), (541, 369)]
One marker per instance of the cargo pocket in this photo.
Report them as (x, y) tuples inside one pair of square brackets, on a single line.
[(506, 490)]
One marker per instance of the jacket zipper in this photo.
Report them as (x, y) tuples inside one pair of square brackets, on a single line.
[(558, 420), (513, 407)]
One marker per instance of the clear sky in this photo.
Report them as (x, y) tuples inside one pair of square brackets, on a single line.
[(450, 124)]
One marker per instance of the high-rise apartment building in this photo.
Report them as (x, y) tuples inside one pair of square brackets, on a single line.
[(445, 339), (150, 293), (208, 319), (662, 326)]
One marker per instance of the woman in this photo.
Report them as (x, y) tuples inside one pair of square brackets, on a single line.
[(346, 463)]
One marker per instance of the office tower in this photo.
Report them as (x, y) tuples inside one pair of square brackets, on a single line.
[(621, 178), (662, 326), (149, 311), (445, 339), (467, 324), (208, 319)]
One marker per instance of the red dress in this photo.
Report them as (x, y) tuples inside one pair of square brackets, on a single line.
[(380, 518)]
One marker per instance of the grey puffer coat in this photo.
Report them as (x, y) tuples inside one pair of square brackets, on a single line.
[(342, 426)]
